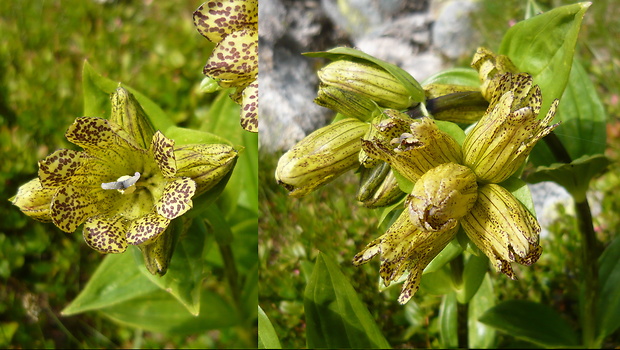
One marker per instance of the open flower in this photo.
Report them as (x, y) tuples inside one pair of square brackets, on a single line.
[(458, 186), (233, 26), (121, 189)]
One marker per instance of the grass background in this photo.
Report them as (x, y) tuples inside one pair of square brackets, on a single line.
[(292, 231), (152, 46)]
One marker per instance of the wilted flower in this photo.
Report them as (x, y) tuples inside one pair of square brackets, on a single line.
[(127, 184), (233, 26), (458, 186)]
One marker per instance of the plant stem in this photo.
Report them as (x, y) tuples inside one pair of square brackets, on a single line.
[(590, 253)]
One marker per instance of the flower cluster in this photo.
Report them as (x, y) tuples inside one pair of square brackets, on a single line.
[(233, 26), (458, 186), (127, 184)]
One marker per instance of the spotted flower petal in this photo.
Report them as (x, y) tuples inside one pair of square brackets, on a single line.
[(216, 19), (206, 164), (146, 229), (249, 107), (163, 152), (106, 234), (234, 60), (34, 200), (58, 168), (176, 198), (72, 205), (503, 229)]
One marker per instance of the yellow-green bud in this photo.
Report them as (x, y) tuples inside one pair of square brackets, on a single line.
[(368, 80), (321, 156), (442, 196), (455, 103), (129, 115), (501, 141), (378, 186), (347, 103), (206, 164), (34, 200), (503, 229)]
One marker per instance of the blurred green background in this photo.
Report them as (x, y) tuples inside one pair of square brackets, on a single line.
[(291, 235), (152, 46)]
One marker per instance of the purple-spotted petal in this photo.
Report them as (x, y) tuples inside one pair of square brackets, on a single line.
[(249, 107), (163, 152), (106, 234), (146, 229), (216, 19), (58, 168), (72, 205), (176, 198), (234, 60)]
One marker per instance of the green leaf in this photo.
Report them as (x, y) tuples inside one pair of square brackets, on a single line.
[(335, 316), (481, 336), (451, 129), (97, 90), (116, 280), (267, 337), (451, 251), (185, 136), (473, 274), (609, 302), (582, 118), (438, 282), (455, 76), (544, 45), (521, 192), (533, 322), (574, 177), (158, 311), (413, 87), (448, 322), (184, 275)]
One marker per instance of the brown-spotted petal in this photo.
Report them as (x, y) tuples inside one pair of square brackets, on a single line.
[(58, 168), (216, 19), (106, 234), (176, 198), (162, 149), (503, 229), (72, 205), (249, 107), (146, 229), (234, 60)]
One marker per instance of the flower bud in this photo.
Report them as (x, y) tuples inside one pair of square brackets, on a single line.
[(378, 186), (442, 196), (129, 115), (501, 141), (321, 156), (34, 200), (368, 80), (503, 229), (206, 164), (455, 103), (347, 103)]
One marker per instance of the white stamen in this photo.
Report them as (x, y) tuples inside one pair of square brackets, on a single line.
[(122, 182)]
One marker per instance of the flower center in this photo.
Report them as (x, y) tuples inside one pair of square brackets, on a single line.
[(125, 184)]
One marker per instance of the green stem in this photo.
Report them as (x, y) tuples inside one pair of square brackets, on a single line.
[(590, 253), (457, 267)]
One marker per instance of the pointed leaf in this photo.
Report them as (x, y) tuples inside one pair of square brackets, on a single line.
[(335, 316), (475, 270), (544, 45), (533, 322), (481, 336), (609, 279), (455, 76), (267, 337), (158, 311), (116, 280), (448, 322)]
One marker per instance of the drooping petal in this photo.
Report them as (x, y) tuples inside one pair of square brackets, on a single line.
[(34, 200), (146, 229), (106, 234), (234, 60), (423, 149), (162, 149), (72, 205), (176, 198), (249, 107), (58, 168), (503, 229), (216, 19)]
